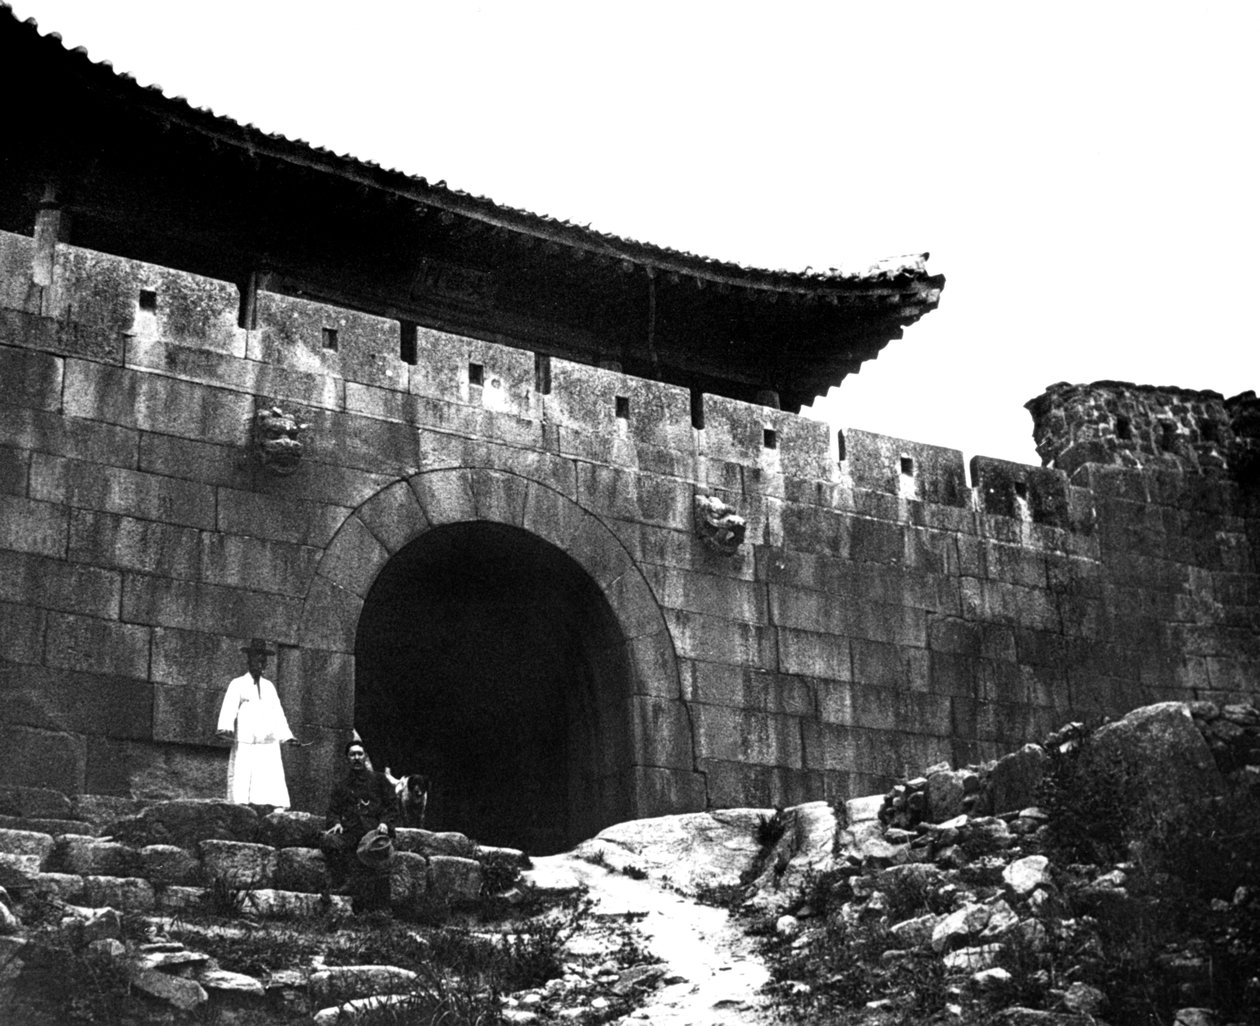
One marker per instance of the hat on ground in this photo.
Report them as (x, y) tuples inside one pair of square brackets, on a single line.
[(376, 850), (258, 645)]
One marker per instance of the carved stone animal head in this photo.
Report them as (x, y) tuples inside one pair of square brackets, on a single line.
[(718, 525), (277, 440)]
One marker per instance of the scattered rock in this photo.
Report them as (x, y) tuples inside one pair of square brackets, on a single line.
[(183, 993), (958, 926), (1023, 876), (1082, 998), (1195, 1017)]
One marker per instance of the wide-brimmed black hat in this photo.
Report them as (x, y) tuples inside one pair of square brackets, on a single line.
[(260, 646), (376, 850)]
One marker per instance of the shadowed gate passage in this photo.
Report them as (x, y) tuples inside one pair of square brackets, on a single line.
[(488, 659)]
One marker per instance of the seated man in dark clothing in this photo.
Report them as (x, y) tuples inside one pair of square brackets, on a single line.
[(361, 802)]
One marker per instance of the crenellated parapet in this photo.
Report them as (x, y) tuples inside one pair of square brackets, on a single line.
[(1127, 425)]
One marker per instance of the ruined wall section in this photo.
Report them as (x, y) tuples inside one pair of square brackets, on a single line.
[(881, 615)]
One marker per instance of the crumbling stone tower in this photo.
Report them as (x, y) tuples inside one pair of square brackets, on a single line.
[(527, 505)]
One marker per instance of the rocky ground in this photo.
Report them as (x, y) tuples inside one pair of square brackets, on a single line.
[(1105, 877)]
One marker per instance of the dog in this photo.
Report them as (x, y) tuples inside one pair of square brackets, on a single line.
[(412, 790)]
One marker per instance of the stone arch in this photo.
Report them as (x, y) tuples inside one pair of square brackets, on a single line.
[(660, 775)]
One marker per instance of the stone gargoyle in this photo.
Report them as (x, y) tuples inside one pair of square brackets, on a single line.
[(277, 440), (718, 525)]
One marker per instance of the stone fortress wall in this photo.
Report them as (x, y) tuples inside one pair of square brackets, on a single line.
[(881, 615)]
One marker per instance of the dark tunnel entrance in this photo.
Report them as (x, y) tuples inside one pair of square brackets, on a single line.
[(489, 660)]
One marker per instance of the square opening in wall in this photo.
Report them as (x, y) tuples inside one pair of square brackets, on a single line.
[(623, 407), (476, 374), (1021, 490), (907, 466), (148, 300), (408, 342), (330, 339), (1124, 430), (770, 438)]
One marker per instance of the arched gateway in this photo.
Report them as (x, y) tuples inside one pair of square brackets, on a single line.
[(496, 635)]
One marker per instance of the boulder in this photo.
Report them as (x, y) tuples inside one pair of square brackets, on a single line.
[(88, 925), (1162, 754), (125, 892), (960, 925), (945, 793), (979, 957), (1002, 920), (1085, 999), (921, 876), (426, 842), (99, 809), (917, 932), (991, 979), (286, 828), (64, 886), (175, 898), (1023, 876), (267, 901), (408, 877), (19, 872), (692, 852), (863, 810), (34, 803), (238, 863), (107, 949), (175, 960), (344, 983), (183, 993), (287, 994), (454, 879), (55, 827), (169, 864), (27, 842), (187, 821), (301, 869), (1015, 779), (92, 856), (232, 990)]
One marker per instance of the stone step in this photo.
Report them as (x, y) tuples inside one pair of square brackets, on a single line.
[(55, 827)]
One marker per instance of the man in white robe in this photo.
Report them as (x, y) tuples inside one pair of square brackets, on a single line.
[(254, 719)]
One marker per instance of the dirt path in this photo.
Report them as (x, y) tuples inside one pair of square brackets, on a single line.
[(713, 975)]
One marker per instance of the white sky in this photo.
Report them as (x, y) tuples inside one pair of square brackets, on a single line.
[(1084, 174)]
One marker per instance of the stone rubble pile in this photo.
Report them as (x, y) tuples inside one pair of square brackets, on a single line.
[(951, 863), (1232, 734)]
